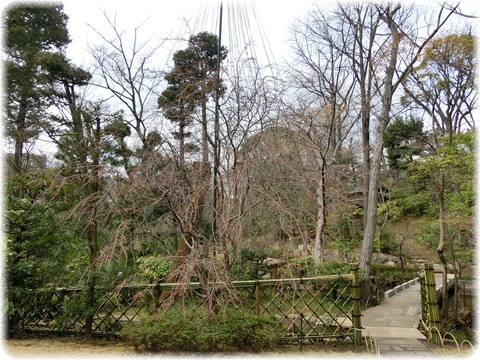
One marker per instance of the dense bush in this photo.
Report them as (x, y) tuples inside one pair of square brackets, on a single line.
[(180, 331), (306, 266), (391, 275), (252, 265), (386, 243)]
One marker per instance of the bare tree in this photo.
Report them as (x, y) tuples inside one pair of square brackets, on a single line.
[(245, 110), (398, 64), (126, 69), (358, 26), (322, 76), (379, 44)]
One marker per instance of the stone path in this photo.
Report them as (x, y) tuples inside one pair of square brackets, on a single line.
[(394, 323)]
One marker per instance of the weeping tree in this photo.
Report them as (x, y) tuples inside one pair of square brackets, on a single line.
[(192, 83)]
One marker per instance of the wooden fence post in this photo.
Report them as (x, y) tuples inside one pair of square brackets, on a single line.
[(257, 298), (432, 304), (356, 311)]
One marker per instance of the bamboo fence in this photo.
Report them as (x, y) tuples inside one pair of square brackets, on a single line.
[(307, 309)]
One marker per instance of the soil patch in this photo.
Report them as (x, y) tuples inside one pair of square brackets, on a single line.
[(65, 347), (74, 347)]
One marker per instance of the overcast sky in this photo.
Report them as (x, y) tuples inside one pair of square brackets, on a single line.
[(269, 22), (167, 18)]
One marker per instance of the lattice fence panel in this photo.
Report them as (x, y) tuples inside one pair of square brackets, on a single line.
[(310, 311), (307, 310)]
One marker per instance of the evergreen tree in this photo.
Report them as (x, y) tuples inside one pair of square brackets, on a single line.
[(30, 31), (403, 141), (192, 82)]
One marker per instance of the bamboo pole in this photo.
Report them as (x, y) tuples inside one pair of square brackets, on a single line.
[(432, 303), (356, 311), (261, 283), (423, 296), (236, 283)]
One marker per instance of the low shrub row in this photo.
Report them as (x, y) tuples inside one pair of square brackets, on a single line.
[(179, 331)]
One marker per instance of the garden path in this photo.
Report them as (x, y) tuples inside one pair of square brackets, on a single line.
[(393, 324)]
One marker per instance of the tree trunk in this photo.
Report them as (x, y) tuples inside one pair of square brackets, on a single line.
[(371, 218), (90, 175), (192, 222), (181, 145), (20, 124), (319, 249), (366, 158), (92, 223), (205, 157), (441, 245), (92, 278), (20, 134), (371, 213)]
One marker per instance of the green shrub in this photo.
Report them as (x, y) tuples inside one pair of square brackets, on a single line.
[(153, 268), (180, 331), (252, 264), (393, 275), (386, 243), (306, 266), (332, 268), (344, 233)]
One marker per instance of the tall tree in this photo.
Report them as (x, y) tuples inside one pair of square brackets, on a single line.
[(393, 63), (322, 76), (358, 27), (30, 31), (192, 82), (78, 148), (125, 69), (178, 107), (443, 87), (194, 72), (443, 84)]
